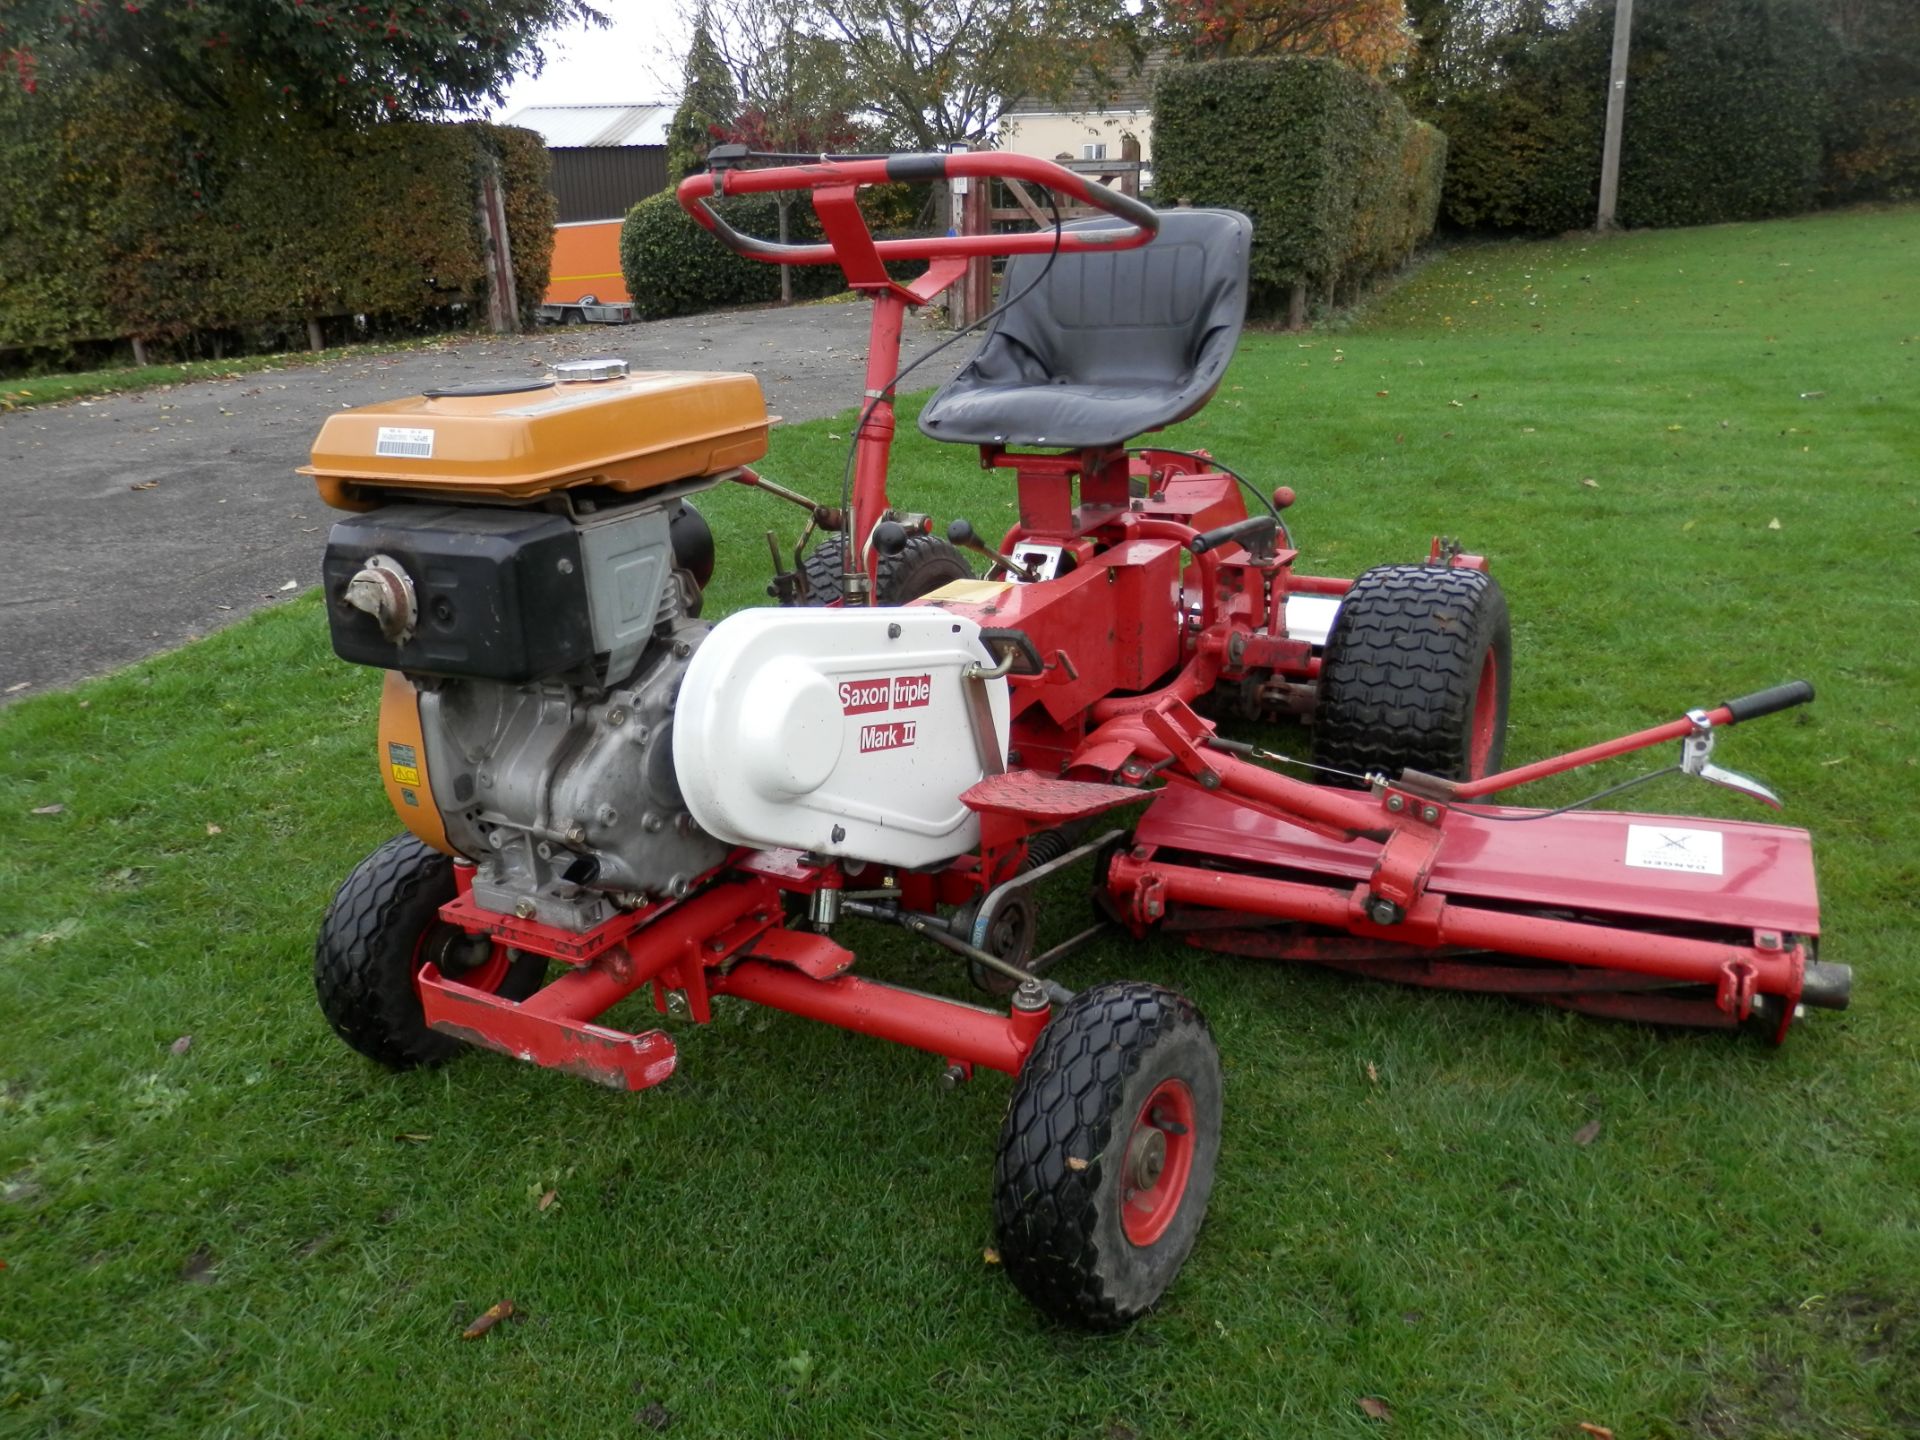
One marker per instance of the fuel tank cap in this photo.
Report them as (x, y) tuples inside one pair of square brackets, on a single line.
[(605, 367)]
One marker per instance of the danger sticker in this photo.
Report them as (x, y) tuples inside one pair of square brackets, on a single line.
[(1666, 847), (894, 735), (403, 764), (404, 441), (894, 692)]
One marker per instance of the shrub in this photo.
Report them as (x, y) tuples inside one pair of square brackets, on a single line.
[(1339, 180), (1728, 103), (674, 266), (120, 215)]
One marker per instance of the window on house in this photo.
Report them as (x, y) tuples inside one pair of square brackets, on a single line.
[(1096, 151)]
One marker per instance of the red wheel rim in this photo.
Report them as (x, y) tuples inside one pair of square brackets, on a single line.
[(1157, 1163), (1486, 718)]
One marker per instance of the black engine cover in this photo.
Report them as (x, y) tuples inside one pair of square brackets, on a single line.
[(501, 594)]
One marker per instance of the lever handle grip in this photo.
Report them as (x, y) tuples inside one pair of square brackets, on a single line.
[(1768, 702), (1240, 530)]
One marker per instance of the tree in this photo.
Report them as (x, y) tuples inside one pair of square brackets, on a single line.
[(1370, 35), (1874, 147), (337, 60), (708, 101), (933, 72)]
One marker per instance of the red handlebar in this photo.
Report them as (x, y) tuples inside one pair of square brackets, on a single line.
[(696, 191)]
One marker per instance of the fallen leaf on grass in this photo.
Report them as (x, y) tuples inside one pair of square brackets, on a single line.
[(1598, 1432), (1813, 394), (213, 829), (653, 1416), (990, 1255), (1375, 1409), (1373, 1072), (1380, 394), (182, 1045), (1590, 482), (1837, 760), (409, 1137), (1587, 1133), (1773, 524), (546, 1200), (493, 1315), (48, 809)]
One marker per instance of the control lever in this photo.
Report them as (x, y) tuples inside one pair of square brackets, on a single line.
[(960, 533), (1696, 752)]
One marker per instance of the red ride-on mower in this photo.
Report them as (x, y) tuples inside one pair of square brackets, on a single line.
[(602, 787)]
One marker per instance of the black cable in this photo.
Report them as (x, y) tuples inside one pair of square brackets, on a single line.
[(1251, 488), (887, 390), (1575, 805)]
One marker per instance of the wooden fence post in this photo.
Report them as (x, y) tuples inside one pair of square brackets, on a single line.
[(503, 306)]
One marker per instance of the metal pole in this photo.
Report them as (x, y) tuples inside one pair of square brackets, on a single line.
[(1616, 116)]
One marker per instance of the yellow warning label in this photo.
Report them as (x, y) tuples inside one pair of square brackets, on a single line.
[(406, 774)]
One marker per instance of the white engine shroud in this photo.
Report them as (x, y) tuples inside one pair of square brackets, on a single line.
[(793, 725)]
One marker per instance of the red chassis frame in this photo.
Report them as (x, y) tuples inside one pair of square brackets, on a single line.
[(1397, 882)]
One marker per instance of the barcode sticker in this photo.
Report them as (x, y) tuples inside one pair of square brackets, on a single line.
[(405, 442)]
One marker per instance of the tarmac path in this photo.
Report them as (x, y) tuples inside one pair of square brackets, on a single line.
[(137, 522)]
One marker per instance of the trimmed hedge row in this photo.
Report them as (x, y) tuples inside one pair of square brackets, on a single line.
[(675, 267), (118, 219), (1339, 180), (1729, 104)]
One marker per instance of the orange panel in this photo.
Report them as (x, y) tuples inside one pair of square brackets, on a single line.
[(651, 428), (403, 763), (586, 261)]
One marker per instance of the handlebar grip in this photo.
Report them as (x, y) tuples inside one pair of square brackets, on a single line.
[(1241, 530), (1768, 702)]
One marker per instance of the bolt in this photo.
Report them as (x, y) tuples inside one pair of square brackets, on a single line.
[(1396, 804), (681, 649), (1013, 757), (652, 823), (893, 631), (616, 716), (686, 824), (676, 1003), (543, 850), (1383, 912), (679, 887), (1429, 813), (1029, 996), (951, 1077), (497, 839), (576, 835), (607, 815), (486, 778), (839, 834), (566, 566), (526, 909)]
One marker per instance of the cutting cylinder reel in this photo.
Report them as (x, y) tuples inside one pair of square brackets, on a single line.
[(609, 792)]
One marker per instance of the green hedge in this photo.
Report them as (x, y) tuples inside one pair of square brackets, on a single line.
[(673, 266), (1339, 180), (120, 218), (1728, 109)]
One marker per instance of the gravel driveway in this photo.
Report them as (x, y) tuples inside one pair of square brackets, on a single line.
[(141, 521)]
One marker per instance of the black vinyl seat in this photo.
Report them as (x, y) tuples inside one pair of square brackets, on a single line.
[(1110, 344)]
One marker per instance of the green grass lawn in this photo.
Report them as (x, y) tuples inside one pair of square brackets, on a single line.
[(265, 1235)]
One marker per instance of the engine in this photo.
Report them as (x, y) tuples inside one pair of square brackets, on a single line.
[(526, 565)]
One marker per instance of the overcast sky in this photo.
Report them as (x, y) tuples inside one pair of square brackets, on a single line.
[(635, 58)]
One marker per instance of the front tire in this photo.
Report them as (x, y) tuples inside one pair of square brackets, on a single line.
[(1107, 1154), (383, 925), (1416, 676)]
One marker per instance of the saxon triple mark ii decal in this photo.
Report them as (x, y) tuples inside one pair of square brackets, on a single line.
[(887, 693)]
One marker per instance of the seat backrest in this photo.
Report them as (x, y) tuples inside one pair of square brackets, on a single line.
[(1157, 314)]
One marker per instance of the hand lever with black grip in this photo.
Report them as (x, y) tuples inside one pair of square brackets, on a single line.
[(1768, 702), (1255, 533), (960, 533)]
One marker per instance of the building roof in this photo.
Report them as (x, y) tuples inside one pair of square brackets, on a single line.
[(580, 127), (1135, 92)]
